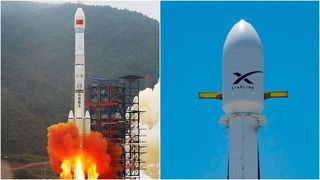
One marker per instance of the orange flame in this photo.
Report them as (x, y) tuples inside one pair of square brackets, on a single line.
[(66, 170), (79, 171), (96, 159), (75, 169)]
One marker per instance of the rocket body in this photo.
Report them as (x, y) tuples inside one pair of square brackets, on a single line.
[(243, 98), (81, 119)]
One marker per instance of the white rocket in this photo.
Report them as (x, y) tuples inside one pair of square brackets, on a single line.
[(81, 119), (243, 98)]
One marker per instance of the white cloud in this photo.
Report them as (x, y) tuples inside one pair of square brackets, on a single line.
[(149, 102)]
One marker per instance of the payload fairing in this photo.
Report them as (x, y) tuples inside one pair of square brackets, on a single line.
[(242, 70), (81, 119), (243, 98)]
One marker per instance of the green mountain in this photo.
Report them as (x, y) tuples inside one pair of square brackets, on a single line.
[(37, 59)]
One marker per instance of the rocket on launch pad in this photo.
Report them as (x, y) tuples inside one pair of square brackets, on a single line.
[(81, 119)]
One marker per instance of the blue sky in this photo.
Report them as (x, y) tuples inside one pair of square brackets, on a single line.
[(193, 144)]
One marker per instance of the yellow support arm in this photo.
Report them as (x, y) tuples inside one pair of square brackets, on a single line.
[(267, 95), (210, 95), (276, 94)]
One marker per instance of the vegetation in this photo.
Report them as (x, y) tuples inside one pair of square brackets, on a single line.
[(37, 46)]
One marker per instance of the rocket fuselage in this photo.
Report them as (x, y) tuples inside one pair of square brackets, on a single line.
[(243, 98), (81, 119)]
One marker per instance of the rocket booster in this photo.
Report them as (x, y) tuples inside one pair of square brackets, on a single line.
[(81, 119)]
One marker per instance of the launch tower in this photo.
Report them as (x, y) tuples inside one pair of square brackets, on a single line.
[(114, 110)]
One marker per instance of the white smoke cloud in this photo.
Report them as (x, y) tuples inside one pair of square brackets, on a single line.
[(150, 102)]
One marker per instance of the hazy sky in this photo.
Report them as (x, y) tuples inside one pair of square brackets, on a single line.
[(151, 8)]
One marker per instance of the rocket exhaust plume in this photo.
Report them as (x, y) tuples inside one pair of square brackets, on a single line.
[(96, 158)]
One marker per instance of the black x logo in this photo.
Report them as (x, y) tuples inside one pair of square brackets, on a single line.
[(244, 77)]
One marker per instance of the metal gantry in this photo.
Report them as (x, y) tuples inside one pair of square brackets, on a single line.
[(114, 110)]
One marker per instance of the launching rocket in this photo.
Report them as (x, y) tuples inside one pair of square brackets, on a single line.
[(243, 98), (81, 119)]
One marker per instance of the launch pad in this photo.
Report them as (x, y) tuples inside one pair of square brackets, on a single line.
[(114, 109)]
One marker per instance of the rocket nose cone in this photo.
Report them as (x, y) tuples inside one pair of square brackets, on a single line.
[(242, 32), (70, 115), (79, 20), (79, 13), (87, 116)]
